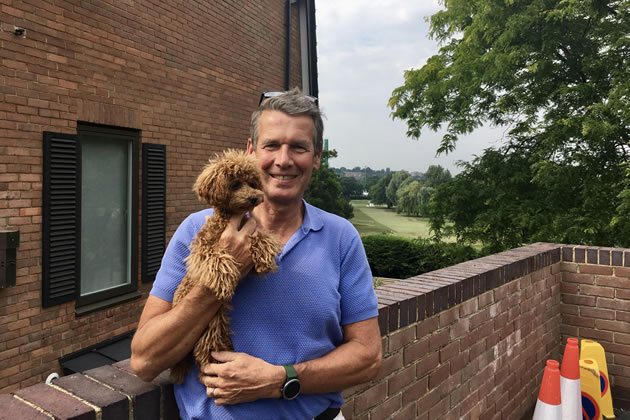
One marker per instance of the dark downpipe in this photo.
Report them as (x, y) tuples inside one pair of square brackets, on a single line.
[(312, 48), (287, 53)]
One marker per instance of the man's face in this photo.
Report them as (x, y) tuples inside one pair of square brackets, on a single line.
[(286, 155)]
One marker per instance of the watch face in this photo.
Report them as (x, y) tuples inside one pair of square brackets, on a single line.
[(291, 389)]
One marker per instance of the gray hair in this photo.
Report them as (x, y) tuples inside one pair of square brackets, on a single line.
[(291, 102)]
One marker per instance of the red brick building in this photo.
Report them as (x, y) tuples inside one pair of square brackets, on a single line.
[(108, 110)]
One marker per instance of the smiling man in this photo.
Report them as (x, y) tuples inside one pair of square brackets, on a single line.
[(300, 335)]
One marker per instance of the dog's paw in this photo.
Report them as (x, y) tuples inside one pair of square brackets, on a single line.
[(218, 272), (264, 249), (265, 266)]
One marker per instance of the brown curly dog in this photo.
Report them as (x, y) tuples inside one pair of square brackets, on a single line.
[(231, 184)]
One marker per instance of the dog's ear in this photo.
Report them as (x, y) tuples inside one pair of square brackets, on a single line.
[(211, 185), (250, 171)]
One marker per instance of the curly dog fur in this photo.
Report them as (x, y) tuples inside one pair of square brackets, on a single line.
[(231, 184)]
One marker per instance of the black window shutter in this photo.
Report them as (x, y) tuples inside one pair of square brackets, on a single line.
[(61, 217), (153, 209)]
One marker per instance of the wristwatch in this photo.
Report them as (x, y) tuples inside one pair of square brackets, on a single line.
[(291, 388)]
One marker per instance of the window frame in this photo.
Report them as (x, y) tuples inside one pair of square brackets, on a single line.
[(87, 130)]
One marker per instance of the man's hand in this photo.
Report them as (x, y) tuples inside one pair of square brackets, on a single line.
[(236, 239), (241, 378)]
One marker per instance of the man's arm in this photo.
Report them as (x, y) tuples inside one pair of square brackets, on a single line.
[(356, 361), (243, 378), (166, 334)]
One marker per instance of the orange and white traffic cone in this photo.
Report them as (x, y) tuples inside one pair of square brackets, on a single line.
[(593, 350), (591, 391), (549, 402), (570, 390)]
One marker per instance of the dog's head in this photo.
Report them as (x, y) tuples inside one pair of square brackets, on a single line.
[(231, 182)]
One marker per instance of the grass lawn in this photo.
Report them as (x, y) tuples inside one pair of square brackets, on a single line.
[(380, 220)]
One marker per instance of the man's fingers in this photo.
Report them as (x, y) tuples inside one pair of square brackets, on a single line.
[(224, 356), (241, 223), (235, 222), (249, 227), (206, 369)]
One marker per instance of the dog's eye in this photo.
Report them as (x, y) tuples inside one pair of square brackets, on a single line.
[(253, 185), (236, 185)]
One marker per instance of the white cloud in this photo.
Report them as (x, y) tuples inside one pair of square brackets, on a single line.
[(363, 48)]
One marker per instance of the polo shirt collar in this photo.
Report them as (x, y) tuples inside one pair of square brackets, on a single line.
[(312, 219)]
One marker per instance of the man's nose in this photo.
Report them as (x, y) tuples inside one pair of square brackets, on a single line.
[(284, 156)]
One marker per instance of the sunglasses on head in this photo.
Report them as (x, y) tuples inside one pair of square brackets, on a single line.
[(271, 94)]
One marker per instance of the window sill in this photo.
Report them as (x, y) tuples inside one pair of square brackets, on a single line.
[(97, 306)]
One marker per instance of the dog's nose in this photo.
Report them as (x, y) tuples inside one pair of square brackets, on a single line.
[(253, 200)]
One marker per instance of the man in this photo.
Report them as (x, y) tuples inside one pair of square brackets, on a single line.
[(300, 335)]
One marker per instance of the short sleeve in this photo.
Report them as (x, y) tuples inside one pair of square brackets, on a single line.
[(173, 267), (358, 299)]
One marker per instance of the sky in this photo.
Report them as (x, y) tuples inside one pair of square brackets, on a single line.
[(363, 48)]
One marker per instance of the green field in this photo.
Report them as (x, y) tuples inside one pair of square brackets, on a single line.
[(381, 220)]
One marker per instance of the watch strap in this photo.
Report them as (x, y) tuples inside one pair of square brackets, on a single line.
[(291, 373)]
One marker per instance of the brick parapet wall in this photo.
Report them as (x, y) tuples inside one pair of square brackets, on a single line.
[(595, 304), (105, 393), (468, 341)]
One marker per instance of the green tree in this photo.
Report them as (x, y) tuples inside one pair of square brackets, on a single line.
[(622, 224), (414, 198), (351, 187), (436, 176), (489, 201), (395, 257), (392, 188), (554, 72), (377, 192), (425, 200), (325, 191), (409, 199), (371, 181)]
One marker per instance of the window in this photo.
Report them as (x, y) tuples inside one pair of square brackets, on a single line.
[(108, 209), (90, 215)]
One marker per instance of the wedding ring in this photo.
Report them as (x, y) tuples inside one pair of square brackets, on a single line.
[(211, 392)]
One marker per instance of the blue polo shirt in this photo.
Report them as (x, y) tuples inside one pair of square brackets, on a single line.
[(324, 282)]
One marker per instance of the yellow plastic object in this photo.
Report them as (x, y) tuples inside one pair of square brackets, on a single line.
[(591, 394), (593, 350)]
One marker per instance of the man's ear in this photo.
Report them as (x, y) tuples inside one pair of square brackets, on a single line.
[(250, 146), (317, 160)]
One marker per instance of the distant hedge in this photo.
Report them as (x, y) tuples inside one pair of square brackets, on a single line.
[(401, 258)]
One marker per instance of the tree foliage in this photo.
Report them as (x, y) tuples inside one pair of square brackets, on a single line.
[(401, 258), (408, 197), (325, 191), (377, 192), (371, 181), (351, 187), (413, 198), (557, 74), (392, 188), (436, 176)]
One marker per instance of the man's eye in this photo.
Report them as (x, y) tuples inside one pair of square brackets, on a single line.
[(236, 185), (300, 148)]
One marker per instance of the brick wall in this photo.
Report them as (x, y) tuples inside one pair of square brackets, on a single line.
[(469, 341), (465, 342), (105, 393), (186, 74), (596, 305)]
